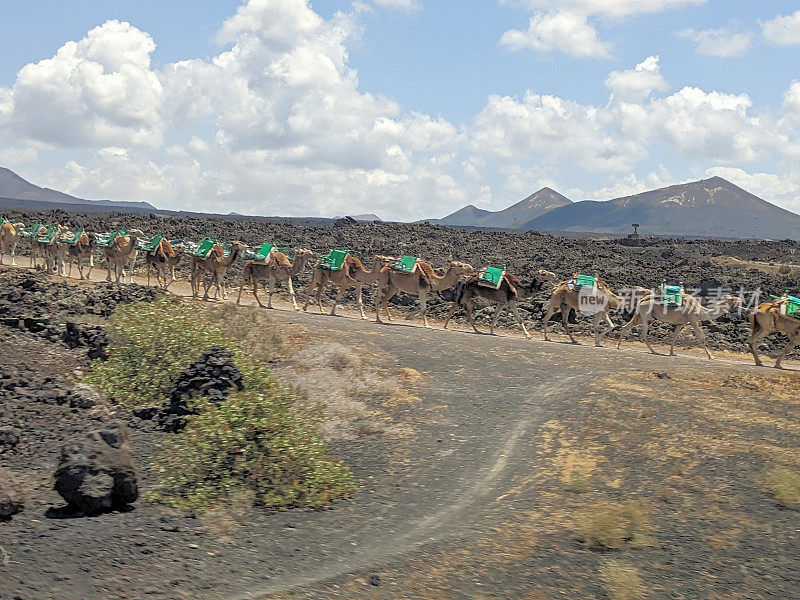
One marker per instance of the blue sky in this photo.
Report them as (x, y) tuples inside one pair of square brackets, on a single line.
[(406, 108)]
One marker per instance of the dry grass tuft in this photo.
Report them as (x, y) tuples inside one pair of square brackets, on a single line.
[(784, 484), (608, 525), (348, 386), (578, 482), (621, 581)]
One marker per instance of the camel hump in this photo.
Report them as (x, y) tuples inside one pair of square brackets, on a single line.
[(83, 240), (513, 283), (166, 248), (426, 272), (218, 252), (7, 227), (280, 259)]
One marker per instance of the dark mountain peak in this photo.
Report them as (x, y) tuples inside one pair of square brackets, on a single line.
[(708, 207)]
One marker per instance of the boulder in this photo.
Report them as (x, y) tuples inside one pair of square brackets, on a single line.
[(9, 437), (85, 396), (10, 500), (96, 472)]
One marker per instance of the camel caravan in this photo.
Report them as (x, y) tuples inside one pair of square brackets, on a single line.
[(57, 248)]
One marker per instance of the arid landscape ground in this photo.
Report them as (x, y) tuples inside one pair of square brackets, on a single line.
[(486, 466)]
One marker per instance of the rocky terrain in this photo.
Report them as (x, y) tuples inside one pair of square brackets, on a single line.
[(709, 267)]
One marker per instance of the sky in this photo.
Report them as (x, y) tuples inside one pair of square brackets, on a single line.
[(409, 109)]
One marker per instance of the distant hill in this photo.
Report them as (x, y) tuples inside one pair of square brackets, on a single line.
[(12, 186), (515, 216), (710, 207)]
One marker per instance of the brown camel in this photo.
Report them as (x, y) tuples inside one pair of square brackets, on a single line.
[(419, 283), (9, 236), (352, 274), (213, 268), (121, 253), (766, 319), (598, 302), (81, 251), (511, 289), (690, 312), (162, 260), (276, 267)]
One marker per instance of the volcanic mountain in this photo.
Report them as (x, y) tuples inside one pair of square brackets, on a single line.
[(14, 187), (515, 216), (709, 207)]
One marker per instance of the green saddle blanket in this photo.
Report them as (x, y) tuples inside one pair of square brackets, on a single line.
[(491, 277), (27, 233), (262, 253), (790, 305), (48, 235), (104, 240), (671, 295), (203, 249), (70, 240), (405, 264), (149, 245), (333, 260)]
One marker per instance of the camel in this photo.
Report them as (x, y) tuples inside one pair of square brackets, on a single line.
[(691, 312), (121, 253), (419, 283), (54, 253), (9, 236), (352, 274), (213, 269), (511, 289), (35, 245), (82, 250), (163, 260), (276, 267), (598, 304), (766, 318)]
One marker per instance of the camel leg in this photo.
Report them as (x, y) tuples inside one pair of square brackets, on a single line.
[(645, 325), (241, 287), (382, 301), (758, 334), (701, 337), (450, 314), (291, 293), (14, 254), (626, 328), (255, 291), (515, 312), (311, 289), (546, 321), (500, 308), (360, 300), (2, 252), (610, 326), (564, 308), (271, 290), (678, 329), (793, 340), (469, 305), (336, 300)]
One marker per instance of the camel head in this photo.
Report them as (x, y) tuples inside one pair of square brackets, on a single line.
[(546, 277), (135, 234), (460, 269), (302, 256)]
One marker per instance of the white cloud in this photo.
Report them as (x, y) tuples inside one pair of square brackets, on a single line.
[(783, 30), (406, 5), (565, 26), (783, 190), (723, 42), (608, 8), (99, 90), (566, 32), (637, 83), (791, 103)]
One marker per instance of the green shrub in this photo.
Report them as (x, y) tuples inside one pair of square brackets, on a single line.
[(611, 525), (259, 442), (784, 485), (151, 343)]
